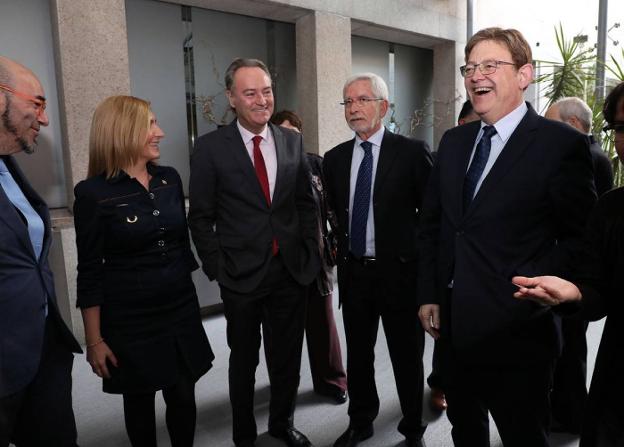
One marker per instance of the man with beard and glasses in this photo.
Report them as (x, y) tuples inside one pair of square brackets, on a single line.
[(35, 344)]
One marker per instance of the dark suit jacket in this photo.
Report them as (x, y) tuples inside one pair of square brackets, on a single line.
[(603, 170), (402, 172), (527, 218), (24, 285), (327, 242), (232, 225)]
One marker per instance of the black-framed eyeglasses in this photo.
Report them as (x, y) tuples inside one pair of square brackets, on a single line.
[(360, 102), (617, 127), (485, 67), (38, 102)]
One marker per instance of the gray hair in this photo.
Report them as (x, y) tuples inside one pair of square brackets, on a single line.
[(378, 85), (5, 72), (240, 63), (572, 106)]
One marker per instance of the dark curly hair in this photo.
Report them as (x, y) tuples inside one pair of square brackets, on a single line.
[(287, 115), (609, 110)]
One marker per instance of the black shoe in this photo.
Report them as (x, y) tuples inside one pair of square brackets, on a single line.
[(340, 397), (292, 437), (353, 437), (412, 442), (337, 395), (558, 427)]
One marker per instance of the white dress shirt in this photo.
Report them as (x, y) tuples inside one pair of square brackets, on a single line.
[(267, 147), (356, 159), (504, 128)]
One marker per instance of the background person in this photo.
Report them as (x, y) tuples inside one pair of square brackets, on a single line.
[(599, 291), (328, 374), (36, 346), (467, 114), (576, 113), (569, 392), (142, 323)]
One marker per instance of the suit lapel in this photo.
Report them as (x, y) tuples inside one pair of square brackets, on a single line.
[(346, 154), (462, 150), (10, 215), (282, 157), (238, 149), (519, 141), (387, 154)]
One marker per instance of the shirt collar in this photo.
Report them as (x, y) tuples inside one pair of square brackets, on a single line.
[(507, 124), (247, 136), (152, 168), (375, 138)]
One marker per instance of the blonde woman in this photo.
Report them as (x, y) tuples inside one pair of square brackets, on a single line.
[(139, 305)]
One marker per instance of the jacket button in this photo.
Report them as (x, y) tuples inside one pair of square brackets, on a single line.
[(156, 212), (151, 195), (161, 243)]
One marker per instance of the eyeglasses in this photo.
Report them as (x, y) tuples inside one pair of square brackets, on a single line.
[(361, 101), (617, 127), (39, 103), (485, 67)]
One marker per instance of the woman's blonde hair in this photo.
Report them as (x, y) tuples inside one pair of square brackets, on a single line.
[(118, 133)]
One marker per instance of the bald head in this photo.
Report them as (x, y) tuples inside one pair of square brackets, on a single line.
[(11, 70), (22, 108), (573, 111), (5, 77)]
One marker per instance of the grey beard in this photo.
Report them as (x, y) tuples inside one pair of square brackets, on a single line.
[(26, 148), (8, 125)]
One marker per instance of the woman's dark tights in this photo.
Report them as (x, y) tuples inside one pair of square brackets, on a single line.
[(139, 414)]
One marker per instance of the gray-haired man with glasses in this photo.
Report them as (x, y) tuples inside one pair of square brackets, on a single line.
[(508, 194), (375, 184)]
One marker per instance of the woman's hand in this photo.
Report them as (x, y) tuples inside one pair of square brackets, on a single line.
[(97, 354), (547, 290)]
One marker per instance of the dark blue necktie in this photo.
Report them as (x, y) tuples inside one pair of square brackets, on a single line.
[(481, 155), (361, 201)]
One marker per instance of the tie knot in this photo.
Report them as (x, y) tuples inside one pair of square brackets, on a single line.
[(367, 146), (256, 140), (489, 132)]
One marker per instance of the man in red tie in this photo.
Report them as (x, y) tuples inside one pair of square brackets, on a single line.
[(252, 218)]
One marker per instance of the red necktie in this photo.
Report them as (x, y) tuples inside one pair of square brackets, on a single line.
[(263, 177)]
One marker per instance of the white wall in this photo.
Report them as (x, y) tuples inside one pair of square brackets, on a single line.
[(155, 36), (26, 36), (413, 78)]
